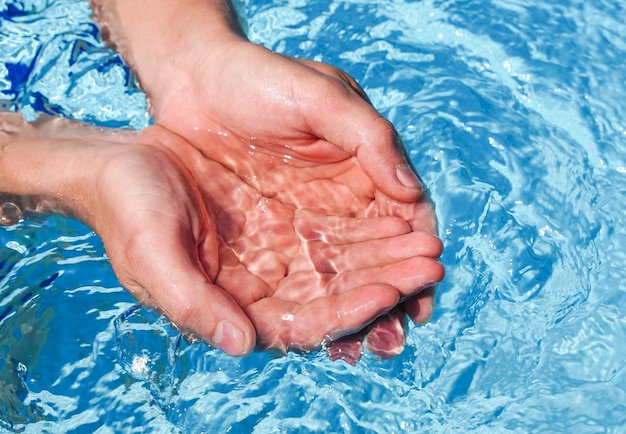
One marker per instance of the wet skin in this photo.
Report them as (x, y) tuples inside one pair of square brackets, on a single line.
[(287, 258)]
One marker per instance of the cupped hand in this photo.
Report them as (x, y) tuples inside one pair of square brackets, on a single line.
[(303, 109), (258, 112), (234, 265), (302, 252)]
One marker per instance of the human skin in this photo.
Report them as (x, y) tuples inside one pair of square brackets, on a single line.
[(220, 258), (254, 110)]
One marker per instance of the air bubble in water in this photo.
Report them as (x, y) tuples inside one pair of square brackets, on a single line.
[(10, 214)]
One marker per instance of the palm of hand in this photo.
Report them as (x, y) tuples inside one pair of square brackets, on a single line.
[(265, 124), (304, 249)]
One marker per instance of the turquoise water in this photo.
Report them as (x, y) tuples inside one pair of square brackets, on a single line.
[(514, 113)]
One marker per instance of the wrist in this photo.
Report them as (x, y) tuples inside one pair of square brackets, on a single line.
[(50, 165), (158, 35)]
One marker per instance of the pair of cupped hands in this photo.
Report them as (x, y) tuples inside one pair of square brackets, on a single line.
[(269, 205)]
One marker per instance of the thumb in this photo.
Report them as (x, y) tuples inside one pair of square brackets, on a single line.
[(384, 159), (166, 274), (341, 114)]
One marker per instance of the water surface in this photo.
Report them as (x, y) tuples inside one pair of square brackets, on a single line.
[(512, 111)]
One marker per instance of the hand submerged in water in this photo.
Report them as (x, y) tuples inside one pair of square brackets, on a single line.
[(299, 252), (220, 258), (257, 112), (293, 119)]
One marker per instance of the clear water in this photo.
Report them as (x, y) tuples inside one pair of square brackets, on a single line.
[(513, 111)]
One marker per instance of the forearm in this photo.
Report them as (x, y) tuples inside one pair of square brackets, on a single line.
[(153, 35), (43, 168)]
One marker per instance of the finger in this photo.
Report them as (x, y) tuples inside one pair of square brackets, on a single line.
[(285, 324), (328, 258), (348, 348), (386, 336), (312, 226), (335, 112), (167, 275), (420, 307), (420, 215), (409, 276)]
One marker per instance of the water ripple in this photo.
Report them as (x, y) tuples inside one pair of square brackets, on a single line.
[(514, 114)]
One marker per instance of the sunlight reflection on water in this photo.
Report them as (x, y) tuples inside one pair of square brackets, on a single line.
[(513, 114)]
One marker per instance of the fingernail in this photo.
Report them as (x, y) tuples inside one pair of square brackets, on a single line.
[(407, 177), (230, 339)]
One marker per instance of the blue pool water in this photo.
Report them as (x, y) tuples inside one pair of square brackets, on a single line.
[(513, 112)]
